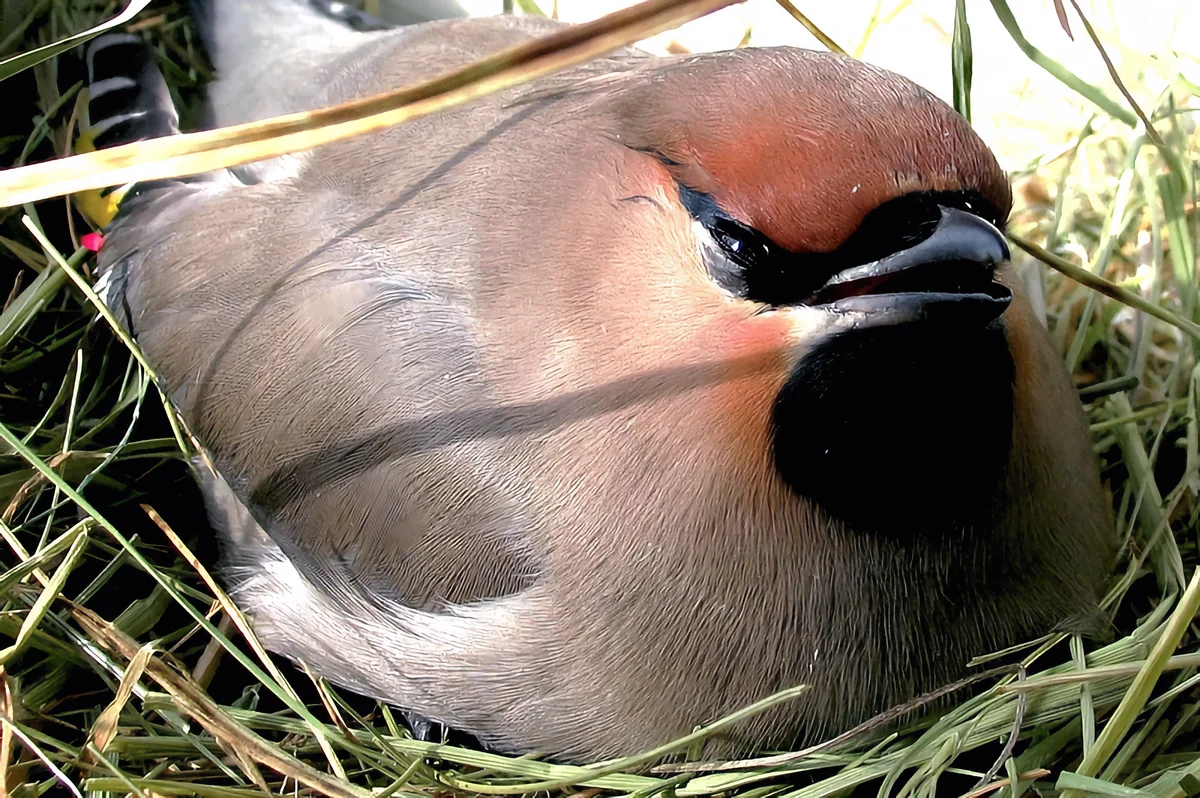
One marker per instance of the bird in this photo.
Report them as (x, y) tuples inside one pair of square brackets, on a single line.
[(592, 410)]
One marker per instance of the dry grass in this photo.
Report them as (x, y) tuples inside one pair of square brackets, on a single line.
[(124, 671)]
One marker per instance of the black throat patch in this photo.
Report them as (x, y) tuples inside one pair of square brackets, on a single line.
[(902, 431)]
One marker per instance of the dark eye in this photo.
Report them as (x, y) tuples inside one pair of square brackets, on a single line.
[(742, 260), (756, 261), (742, 244), (738, 256)]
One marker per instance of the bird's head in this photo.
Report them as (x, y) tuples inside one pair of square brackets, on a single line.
[(871, 213)]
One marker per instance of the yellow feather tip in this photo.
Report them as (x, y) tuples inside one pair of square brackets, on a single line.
[(98, 207)]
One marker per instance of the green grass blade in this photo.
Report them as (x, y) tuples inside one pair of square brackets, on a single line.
[(961, 60), (18, 63)]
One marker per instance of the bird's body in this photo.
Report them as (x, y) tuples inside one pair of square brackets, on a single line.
[(515, 458)]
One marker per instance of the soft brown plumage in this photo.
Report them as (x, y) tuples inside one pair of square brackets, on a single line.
[(523, 463)]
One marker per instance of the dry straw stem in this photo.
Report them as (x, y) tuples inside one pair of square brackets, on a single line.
[(196, 153), (105, 728), (51, 591), (29, 456), (239, 620), (1023, 778), (1109, 289), (191, 699), (61, 778), (811, 27), (1116, 77)]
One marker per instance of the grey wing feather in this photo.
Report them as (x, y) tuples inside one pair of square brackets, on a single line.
[(357, 351), (356, 449)]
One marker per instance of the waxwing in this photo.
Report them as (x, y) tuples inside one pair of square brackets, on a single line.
[(597, 408)]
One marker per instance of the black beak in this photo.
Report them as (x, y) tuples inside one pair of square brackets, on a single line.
[(949, 275)]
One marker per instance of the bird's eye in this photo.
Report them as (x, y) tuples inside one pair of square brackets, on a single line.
[(736, 255), (721, 259), (742, 243)]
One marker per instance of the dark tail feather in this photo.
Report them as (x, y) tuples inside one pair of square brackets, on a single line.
[(128, 99)]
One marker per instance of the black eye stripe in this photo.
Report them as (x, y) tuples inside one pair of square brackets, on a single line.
[(752, 266)]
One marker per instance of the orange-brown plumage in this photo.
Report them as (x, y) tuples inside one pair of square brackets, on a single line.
[(875, 136)]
